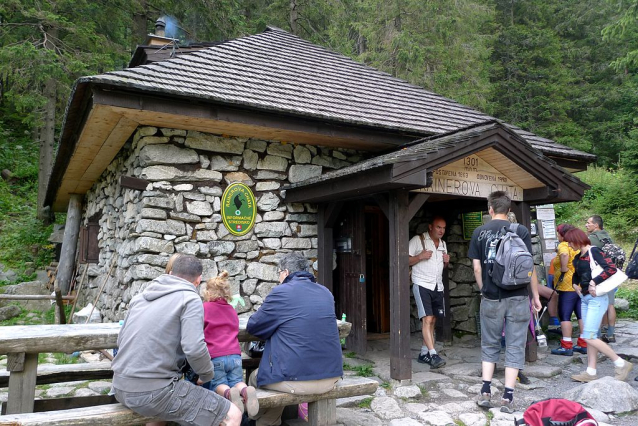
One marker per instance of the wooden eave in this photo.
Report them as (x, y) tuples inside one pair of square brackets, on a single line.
[(100, 120), (545, 181)]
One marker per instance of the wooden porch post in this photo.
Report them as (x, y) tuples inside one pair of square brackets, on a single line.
[(326, 217), (69, 243), (400, 359)]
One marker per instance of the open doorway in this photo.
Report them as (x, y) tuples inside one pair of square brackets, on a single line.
[(377, 271)]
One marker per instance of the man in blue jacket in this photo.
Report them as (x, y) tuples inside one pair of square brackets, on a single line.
[(297, 320)]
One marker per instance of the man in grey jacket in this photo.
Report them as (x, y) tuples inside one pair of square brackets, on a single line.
[(164, 327)]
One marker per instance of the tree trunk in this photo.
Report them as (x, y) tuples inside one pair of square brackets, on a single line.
[(294, 15), (140, 18), (47, 137)]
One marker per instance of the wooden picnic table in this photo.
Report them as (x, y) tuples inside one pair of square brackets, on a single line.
[(23, 343)]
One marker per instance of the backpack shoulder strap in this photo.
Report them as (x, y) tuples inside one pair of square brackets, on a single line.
[(514, 227), (422, 237)]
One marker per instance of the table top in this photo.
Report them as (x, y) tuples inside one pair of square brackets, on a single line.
[(79, 337)]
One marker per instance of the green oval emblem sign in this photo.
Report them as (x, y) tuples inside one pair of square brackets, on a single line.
[(238, 209)]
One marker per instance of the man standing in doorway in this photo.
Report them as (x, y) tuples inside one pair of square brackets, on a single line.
[(429, 260), (500, 308), (599, 237)]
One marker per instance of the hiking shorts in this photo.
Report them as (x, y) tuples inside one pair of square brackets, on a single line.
[(428, 302), (181, 402), (568, 302), (228, 371), (593, 309), (512, 313)]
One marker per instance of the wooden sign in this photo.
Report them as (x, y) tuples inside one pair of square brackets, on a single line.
[(471, 177), (238, 209)]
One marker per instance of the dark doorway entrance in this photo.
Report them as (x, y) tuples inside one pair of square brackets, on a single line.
[(350, 274), (377, 270)]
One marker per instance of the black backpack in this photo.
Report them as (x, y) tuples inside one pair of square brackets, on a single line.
[(632, 268), (613, 251)]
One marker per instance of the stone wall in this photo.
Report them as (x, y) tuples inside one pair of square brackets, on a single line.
[(180, 212)]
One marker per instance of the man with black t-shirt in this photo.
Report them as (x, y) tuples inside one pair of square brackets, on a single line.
[(500, 308)]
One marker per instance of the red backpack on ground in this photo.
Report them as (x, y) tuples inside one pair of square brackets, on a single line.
[(556, 412)]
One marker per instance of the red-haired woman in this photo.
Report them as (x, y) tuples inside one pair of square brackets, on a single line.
[(568, 300), (593, 307)]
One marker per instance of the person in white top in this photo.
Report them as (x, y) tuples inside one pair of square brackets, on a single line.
[(429, 260)]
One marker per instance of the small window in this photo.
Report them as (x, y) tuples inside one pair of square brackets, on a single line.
[(89, 248)]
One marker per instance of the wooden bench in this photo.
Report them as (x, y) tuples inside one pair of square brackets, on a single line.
[(22, 344), (321, 408)]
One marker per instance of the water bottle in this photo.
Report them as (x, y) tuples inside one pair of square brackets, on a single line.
[(115, 349), (343, 341), (491, 253)]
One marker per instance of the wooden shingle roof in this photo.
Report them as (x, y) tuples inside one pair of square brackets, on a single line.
[(277, 71)]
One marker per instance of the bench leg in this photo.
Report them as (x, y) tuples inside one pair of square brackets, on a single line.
[(322, 413), (23, 374)]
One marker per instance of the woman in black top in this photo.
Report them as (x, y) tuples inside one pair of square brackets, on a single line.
[(593, 307)]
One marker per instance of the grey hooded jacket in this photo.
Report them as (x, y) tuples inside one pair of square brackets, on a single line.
[(165, 324)]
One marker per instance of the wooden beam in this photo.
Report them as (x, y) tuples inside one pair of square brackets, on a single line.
[(332, 211), (382, 202), (416, 203), (69, 243), (22, 385), (400, 359), (325, 246)]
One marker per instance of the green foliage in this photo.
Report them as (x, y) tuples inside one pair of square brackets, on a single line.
[(613, 196), (350, 354), (631, 295), (365, 403), (361, 370)]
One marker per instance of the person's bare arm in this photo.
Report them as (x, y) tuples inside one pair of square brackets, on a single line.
[(478, 272), (536, 302), (424, 255)]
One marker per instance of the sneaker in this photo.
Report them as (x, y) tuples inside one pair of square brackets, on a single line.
[(522, 378), (563, 351), (584, 377), (507, 406), (580, 350), (236, 399), (623, 372), (436, 361), (424, 358), (484, 400), (608, 339), (250, 401)]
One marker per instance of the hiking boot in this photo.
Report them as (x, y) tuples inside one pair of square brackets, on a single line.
[(522, 378), (580, 350), (436, 361), (623, 372), (424, 358), (584, 377), (507, 406), (484, 400), (563, 351), (608, 339)]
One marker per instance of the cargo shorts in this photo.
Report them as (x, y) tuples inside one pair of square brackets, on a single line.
[(181, 402), (514, 314)]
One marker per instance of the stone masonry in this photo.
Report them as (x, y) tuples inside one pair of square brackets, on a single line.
[(180, 211)]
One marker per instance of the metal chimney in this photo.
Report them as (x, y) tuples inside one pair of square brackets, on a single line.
[(160, 26)]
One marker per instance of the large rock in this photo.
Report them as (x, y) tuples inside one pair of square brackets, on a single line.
[(152, 155), (207, 142), (299, 173), (272, 229), (154, 245), (26, 288), (273, 162), (605, 394), (262, 271), (302, 155), (234, 267), (200, 208), (169, 173), (463, 274), (8, 312), (348, 417), (436, 418), (171, 227), (386, 408), (225, 164), (268, 202)]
